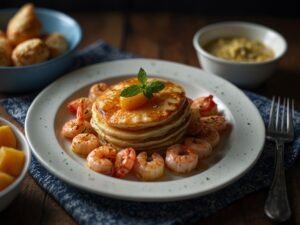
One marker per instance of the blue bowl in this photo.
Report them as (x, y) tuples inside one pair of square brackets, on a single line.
[(37, 76)]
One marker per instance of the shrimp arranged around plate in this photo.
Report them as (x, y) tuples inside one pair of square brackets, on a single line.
[(199, 146), (102, 160), (181, 159), (203, 135), (124, 163), (96, 90), (76, 126), (149, 168), (85, 104), (84, 143)]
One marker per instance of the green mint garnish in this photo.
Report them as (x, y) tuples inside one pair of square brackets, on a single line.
[(131, 91), (147, 92), (155, 86), (148, 88), (142, 76)]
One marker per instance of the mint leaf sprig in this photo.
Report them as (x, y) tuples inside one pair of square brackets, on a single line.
[(148, 88)]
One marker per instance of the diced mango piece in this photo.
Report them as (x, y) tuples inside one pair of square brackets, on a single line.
[(11, 160), (7, 137), (5, 180), (134, 102)]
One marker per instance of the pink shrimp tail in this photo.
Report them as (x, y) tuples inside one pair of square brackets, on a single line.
[(72, 107), (80, 113)]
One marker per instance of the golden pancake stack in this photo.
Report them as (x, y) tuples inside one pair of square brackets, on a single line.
[(162, 122)]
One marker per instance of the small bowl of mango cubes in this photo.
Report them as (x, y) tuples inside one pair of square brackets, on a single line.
[(15, 158)]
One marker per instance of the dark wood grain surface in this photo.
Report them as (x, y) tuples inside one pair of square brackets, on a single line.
[(169, 36)]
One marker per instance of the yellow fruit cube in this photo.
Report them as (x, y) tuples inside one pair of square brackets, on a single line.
[(5, 180), (7, 137), (134, 102), (11, 160)]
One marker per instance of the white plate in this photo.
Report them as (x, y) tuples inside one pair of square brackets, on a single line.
[(237, 154)]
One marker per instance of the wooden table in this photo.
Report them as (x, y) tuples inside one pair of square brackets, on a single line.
[(169, 36)]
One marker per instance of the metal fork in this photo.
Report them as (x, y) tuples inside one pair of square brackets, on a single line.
[(280, 130)]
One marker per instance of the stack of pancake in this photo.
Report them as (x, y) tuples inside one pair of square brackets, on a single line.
[(161, 122)]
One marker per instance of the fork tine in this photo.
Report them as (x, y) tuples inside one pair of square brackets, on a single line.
[(290, 118), (284, 125), (292, 128), (272, 117), (277, 114)]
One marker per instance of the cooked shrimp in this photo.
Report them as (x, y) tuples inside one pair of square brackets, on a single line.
[(76, 126), (149, 168), (73, 127), (204, 112), (195, 125), (210, 135), (102, 160), (181, 159), (83, 144), (206, 106), (96, 90), (199, 146), (217, 122), (81, 102), (124, 162)]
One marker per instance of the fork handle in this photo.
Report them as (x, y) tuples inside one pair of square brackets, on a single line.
[(277, 205)]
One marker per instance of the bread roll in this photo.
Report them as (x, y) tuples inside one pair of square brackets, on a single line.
[(24, 25), (5, 50), (56, 43), (30, 52), (2, 34)]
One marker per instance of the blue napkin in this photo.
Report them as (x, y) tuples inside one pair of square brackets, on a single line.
[(91, 209)]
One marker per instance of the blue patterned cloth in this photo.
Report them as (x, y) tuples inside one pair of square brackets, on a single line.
[(91, 209)]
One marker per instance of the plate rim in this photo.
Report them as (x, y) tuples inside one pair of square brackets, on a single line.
[(133, 195)]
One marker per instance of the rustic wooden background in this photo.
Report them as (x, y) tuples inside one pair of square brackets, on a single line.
[(168, 35), (203, 7)]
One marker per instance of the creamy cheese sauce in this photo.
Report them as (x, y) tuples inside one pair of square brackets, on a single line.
[(239, 49)]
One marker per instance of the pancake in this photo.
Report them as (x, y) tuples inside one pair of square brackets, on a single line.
[(162, 122), (160, 142), (161, 147), (160, 109), (177, 121)]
